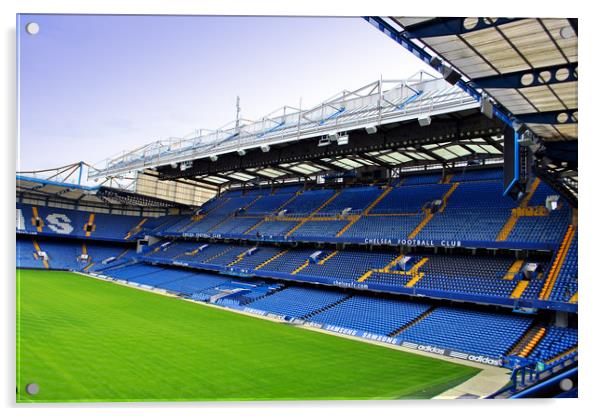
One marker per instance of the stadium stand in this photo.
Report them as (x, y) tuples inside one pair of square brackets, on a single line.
[(63, 255), (565, 287), (74, 223), (379, 316), (297, 302), (308, 202), (555, 343), (430, 178), (470, 207), (465, 206), (476, 211), (489, 334)]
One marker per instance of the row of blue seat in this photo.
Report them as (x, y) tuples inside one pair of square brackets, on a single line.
[(64, 255), (476, 211), (453, 274)]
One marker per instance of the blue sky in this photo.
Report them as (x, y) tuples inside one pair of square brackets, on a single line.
[(93, 86)]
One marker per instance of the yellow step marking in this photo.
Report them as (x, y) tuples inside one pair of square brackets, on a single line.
[(415, 279), (365, 276), (516, 213), (238, 258), (33, 219), (288, 201), (348, 225), (429, 216), (374, 203), (311, 217), (557, 265), (561, 355), (515, 268), (303, 266), (532, 343), (278, 255), (415, 273), (366, 211), (296, 227), (393, 262), (507, 228), (527, 198), (257, 224), (90, 224), (37, 247), (326, 203), (574, 298), (449, 193), (325, 259), (519, 289), (221, 253), (447, 178), (136, 228)]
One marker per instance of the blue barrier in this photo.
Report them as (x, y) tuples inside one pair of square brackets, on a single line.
[(391, 242), (377, 287)]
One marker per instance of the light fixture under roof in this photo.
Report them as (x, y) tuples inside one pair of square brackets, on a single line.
[(343, 140), (371, 129), (423, 121), (324, 141)]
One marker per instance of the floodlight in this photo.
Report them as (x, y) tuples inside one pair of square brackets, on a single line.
[(371, 129), (487, 107), (324, 141), (424, 121), (343, 140)]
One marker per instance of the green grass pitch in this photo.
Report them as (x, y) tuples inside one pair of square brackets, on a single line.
[(82, 339)]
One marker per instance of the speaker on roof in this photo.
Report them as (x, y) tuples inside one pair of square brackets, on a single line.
[(450, 75), (435, 62), (487, 107)]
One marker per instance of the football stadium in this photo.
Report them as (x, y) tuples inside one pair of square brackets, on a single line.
[(407, 239)]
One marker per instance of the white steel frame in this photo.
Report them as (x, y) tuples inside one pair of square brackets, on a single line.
[(378, 103)]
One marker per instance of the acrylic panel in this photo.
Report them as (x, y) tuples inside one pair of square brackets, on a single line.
[(244, 208)]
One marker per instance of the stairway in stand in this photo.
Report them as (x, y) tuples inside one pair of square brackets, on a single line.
[(557, 265), (412, 322)]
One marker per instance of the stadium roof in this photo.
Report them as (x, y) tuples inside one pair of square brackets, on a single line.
[(380, 103), (64, 185), (526, 68), (528, 65)]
